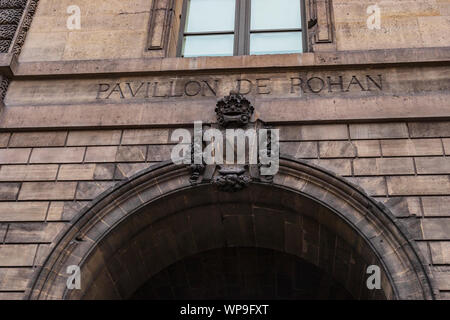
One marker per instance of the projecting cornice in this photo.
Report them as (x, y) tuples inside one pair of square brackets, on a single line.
[(317, 60)]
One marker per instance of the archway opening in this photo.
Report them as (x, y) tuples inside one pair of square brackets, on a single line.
[(198, 220), (131, 235)]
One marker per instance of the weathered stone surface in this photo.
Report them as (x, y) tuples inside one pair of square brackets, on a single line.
[(126, 170), (12, 156), (446, 146), (68, 135), (47, 191), (378, 131), (76, 172), (374, 186), (442, 274), (440, 252), (414, 147), (14, 279), (33, 232), (23, 211), (4, 139), (38, 139), (57, 155), (341, 167), (420, 185), (301, 150), (64, 211), (429, 129), (104, 171), (94, 138), (337, 149), (433, 165), (313, 132), (383, 166), (17, 255), (436, 206), (436, 229), (101, 154), (131, 154), (8, 191), (403, 206), (145, 136), (367, 148), (89, 190), (28, 173), (159, 153)]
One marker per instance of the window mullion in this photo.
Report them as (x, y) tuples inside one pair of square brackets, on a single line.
[(242, 33)]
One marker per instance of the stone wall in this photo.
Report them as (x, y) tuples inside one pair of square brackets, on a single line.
[(47, 177), (119, 29)]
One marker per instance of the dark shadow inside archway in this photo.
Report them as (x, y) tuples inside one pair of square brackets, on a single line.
[(242, 274)]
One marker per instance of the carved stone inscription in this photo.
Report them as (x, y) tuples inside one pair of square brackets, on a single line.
[(294, 86)]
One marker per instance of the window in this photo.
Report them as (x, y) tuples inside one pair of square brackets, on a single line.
[(241, 27)]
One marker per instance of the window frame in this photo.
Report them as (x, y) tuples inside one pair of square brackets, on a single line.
[(242, 32)]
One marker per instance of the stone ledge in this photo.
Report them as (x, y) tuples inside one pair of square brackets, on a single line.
[(414, 56)]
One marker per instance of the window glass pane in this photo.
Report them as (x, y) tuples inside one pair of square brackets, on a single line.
[(213, 45), (275, 14), (276, 42), (210, 15)]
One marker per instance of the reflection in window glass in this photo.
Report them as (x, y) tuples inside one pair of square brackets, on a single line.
[(210, 45), (276, 43), (210, 15), (275, 14)]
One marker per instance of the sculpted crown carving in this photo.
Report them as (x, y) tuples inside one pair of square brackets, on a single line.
[(234, 109)]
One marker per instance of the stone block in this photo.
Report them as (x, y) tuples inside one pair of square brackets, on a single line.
[(341, 167), (17, 255), (57, 155), (378, 131), (94, 138), (76, 172), (38, 139), (429, 129), (145, 136), (15, 279), (65, 211), (300, 150), (23, 211), (131, 154), (90, 190), (367, 148), (414, 147), (373, 186), (28, 172), (419, 185), (126, 170), (436, 228), (159, 153), (337, 149), (47, 191), (8, 191), (14, 156), (101, 154), (32, 232), (4, 139), (314, 132), (383, 166), (440, 252), (435, 165), (436, 206)]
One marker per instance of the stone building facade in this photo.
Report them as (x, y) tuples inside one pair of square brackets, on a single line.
[(85, 142)]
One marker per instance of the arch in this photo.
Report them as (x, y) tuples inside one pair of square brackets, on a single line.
[(158, 217)]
